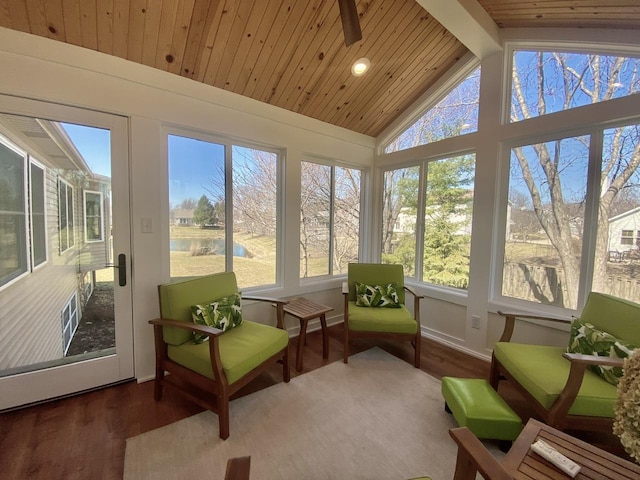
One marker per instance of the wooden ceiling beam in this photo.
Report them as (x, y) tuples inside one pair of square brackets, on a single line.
[(469, 23)]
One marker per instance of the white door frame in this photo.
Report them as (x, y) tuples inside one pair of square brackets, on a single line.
[(25, 388)]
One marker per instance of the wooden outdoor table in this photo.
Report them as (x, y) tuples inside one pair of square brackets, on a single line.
[(305, 310)]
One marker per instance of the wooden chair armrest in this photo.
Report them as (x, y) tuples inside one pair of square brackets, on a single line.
[(560, 408), (413, 292), (594, 359), (474, 457), (211, 332), (277, 301), (193, 327), (510, 321)]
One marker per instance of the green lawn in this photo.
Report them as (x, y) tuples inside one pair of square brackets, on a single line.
[(258, 268)]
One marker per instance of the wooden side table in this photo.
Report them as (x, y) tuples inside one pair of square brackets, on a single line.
[(305, 310)]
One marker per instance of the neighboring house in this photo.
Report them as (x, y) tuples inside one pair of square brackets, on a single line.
[(54, 234), (182, 217), (624, 231), (406, 222)]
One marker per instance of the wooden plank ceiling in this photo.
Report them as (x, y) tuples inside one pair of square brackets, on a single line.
[(291, 53)]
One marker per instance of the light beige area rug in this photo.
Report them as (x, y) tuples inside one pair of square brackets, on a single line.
[(375, 418)]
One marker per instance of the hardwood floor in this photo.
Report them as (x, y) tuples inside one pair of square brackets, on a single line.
[(83, 437)]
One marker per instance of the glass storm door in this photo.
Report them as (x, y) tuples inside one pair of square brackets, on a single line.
[(65, 295)]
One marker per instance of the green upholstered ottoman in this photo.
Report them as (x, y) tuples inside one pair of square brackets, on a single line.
[(478, 407)]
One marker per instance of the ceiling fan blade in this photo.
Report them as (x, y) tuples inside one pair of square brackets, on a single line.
[(350, 21)]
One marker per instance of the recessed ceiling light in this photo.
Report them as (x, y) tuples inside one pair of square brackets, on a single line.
[(360, 67)]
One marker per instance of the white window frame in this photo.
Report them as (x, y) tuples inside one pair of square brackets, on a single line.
[(549, 46), (27, 251), (72, 321), (434, 95), (100, 216), (455, 295), (34, 163), (333, 164), (68, 202), (229, 143)]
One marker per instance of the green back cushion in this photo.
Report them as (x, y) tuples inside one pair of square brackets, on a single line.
[(224, 314), (177, 298), (618, 317), (375, 274)]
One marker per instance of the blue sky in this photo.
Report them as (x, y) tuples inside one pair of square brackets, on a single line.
[(192, 163), (94, 144), (193, 167)]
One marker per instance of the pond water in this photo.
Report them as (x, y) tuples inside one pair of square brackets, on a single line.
[(209, 245)]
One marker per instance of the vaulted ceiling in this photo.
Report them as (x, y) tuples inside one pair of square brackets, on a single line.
[(292, 54)]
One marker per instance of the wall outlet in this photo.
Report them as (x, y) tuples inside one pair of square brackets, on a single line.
[(475, 322)]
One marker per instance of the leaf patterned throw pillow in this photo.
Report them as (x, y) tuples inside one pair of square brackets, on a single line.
[(377, 295), (588, 340), (224, 314)]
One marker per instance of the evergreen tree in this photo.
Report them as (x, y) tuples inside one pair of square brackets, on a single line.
[(204, 213)]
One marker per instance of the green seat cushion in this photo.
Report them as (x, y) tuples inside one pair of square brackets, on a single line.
[(389, 320), (241, 350), (543, 372), (478, 407)]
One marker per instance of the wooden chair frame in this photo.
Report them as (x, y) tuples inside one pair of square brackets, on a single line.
[(415, 339), (473, 457), (558, 415), (211, 394)]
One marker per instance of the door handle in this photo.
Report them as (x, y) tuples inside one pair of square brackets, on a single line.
[(122, 269)]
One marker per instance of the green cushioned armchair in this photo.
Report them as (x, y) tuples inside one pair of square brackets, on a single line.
[(210, 372), (380, 322), (562, 390)]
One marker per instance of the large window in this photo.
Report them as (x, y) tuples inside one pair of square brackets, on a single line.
[(255, 215), (547, 191), (329, 218), (456, 114), (435, 251), (13, 214), (544, 82), (573, 200), (216, 184)]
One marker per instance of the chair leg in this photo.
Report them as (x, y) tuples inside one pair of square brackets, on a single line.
[(494, 374), (286, 368), (223, 416), (346, 343), (157, 387), (418, 346)]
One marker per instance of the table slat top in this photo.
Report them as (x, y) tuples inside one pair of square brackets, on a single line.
[(305, 309)]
